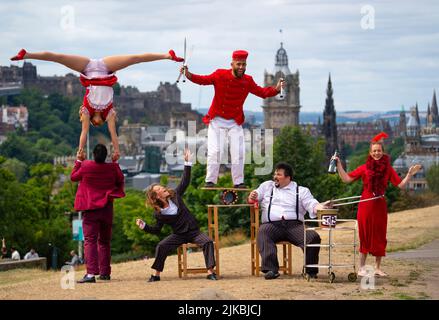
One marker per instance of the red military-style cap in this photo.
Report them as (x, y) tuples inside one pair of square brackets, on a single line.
[(240, 55)]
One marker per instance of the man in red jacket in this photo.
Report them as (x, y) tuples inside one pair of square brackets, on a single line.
[(99, 184), (226, 116)]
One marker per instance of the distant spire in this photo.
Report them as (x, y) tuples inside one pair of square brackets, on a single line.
[(281, 61), (281, 56), (329, 128), (329, 90), (434, 110), (402, 122), (428, 116), (417, 115)]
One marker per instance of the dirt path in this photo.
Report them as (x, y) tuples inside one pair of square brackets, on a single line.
[(412, 274)]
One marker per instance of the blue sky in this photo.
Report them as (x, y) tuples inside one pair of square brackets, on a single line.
[(395, 63)]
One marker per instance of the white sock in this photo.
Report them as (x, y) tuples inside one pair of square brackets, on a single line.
[(90, 275)]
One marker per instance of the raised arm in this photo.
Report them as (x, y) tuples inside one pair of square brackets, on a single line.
[(264, 92), (76, 174), (111, 121), (85, 120), (341, 171), (195, 78), (186, 179), (412, 171)]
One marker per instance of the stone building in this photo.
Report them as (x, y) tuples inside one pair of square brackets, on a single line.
[(15, 116), (282, 112), (153, 108), (421, 146)]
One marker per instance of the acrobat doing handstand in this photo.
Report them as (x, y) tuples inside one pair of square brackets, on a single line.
[(98, 77)]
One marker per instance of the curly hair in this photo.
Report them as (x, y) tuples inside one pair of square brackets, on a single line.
[(151, 197)]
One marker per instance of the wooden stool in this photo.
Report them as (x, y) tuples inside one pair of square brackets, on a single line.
[(287, 261), (183, 270)]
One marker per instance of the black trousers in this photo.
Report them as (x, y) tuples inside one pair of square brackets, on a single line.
[(285, 230), (172, 242)]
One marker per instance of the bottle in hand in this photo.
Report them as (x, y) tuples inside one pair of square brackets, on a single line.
[(333, 164)]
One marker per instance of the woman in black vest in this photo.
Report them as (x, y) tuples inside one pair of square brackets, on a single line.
[(169, 208)]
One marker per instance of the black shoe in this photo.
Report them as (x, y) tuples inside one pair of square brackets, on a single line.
[(211, 276), (240, 186), (271, 275), (209, 185), (104, 277), (154, 278), (312, 275), (87, 279)]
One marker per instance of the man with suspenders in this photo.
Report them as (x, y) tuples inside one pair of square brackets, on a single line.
[(283, 206)]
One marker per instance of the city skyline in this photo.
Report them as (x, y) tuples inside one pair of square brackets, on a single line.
[(372, 69)]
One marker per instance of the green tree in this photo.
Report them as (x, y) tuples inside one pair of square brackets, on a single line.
[(432, 177), (303, 152), (126, 234), (19, 148), (17, 167), (22, 213), (43, 178)]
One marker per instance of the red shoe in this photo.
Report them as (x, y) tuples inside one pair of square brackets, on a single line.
[(19, 56), (174, 57)]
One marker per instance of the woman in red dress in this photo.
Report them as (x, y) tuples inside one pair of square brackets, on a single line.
[(376, 174)]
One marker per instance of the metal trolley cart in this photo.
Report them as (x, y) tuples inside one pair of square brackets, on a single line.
[(327, 219)]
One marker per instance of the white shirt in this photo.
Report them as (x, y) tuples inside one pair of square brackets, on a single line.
[(15, 255), (31, 255), (223, 123), (171, 210), (283, 203)]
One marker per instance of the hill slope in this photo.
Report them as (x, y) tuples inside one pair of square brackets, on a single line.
[(408, 278)]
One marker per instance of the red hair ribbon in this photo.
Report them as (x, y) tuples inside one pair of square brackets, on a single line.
[(379, 136)]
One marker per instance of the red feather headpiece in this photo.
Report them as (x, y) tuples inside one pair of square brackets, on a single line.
[(379, 136)]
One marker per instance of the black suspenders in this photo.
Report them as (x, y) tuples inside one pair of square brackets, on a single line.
[(297, 203), (269, 206)]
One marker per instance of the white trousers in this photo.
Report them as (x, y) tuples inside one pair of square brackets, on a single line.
[(223, 133)]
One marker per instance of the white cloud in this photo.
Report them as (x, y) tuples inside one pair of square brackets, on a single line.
[(394, 64)]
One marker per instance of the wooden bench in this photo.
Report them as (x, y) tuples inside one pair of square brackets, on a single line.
[(9, 264)]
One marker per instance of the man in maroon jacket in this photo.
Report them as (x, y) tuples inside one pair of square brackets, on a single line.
[(99, 184), (225, 116)]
